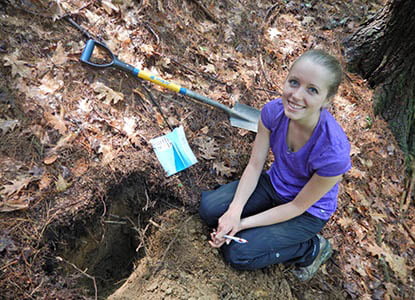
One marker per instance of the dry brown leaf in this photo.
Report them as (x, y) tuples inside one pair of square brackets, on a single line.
[(59, 55), (18, 184), (80, 167), (204, 130), (222, 169), (109, 7), (129, 126), (50, 159), (56, 122), (15, 204), (107, 93), (19, 67), (6, 125), (396, 262), (45, 181), (207, 146), (356, 173), (359, 198), (50, 84), (160, 120), (108, 154), (345, 222)]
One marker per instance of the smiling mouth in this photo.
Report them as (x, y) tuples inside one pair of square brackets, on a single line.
[(295, 106)]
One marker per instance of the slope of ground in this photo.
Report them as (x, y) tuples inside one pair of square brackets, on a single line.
[(78, 174)]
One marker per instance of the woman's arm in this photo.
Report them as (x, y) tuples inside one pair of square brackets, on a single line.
[(230, 220), (315, 188)]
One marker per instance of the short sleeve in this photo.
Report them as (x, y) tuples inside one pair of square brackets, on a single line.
[(333, 161), (270, 112)]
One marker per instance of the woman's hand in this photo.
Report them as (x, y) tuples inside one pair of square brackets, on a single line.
[(229, 223)]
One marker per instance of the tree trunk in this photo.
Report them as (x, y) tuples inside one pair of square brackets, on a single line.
[(382, 50)]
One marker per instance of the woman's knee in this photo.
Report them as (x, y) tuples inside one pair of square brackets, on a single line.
[(207, 211), (237, 258)]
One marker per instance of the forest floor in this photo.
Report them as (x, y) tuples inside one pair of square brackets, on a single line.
[(86, 210)]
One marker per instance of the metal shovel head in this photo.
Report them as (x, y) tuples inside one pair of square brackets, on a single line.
[(249, 117)]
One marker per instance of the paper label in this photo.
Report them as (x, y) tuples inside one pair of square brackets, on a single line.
[(173, 151)]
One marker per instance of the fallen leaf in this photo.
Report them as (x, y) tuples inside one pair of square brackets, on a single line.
[(6, 125), (129, 126), (59, 56), (63, 142), (396, 263), (15, 204), (19, 67), (56, 122), (18, 184), (345, 222), (356, 173), (6, 243), (108, 153), (207, 146), (109, 7), (222, 169), (50, 84), (80, 167), (160, 120), (107, 93), (61, 184), (204, 130), (45, 181), (50, 159), (391, 290)]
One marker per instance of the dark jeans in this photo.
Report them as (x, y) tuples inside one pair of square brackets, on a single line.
[(291, 242)]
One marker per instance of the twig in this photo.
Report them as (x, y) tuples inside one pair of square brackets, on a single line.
[(157, 105), (154, 223), (84, 273), (115, 222), (9, 264), (150, 29), (408, 230), (141, 234), (407, 194), (36, 288), (410, 189), (269, 10), (206, 11)]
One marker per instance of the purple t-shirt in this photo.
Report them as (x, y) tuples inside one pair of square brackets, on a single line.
[(326, 153)]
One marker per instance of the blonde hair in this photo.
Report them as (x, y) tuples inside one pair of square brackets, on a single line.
[(330, 63)]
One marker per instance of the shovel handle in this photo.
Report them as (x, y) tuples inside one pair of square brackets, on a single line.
[(115, 62), (89, 49)]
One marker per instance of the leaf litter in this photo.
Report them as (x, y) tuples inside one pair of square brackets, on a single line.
[(97, 124)]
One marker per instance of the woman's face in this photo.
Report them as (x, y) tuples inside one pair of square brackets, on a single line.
[(305, 91)]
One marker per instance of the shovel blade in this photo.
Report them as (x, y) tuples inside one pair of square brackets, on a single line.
[(250, 117)]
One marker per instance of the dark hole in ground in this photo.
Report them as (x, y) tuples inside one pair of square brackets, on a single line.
[(105, 244)]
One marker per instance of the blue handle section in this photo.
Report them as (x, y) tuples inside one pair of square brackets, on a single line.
[(125, 67), (89, 50)]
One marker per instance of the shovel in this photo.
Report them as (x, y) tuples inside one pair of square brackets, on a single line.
[(241, 115)]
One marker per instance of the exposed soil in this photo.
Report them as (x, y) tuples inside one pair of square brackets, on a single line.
[(85, 208)]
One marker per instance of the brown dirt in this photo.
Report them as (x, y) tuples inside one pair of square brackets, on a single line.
[(77, 184)]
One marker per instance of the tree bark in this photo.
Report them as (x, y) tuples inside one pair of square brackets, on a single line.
[(382, 50)]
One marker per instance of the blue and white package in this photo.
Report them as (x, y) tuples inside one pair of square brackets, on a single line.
[(173, 151)]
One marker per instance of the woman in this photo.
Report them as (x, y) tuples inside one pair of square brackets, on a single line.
[(281, 211)]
